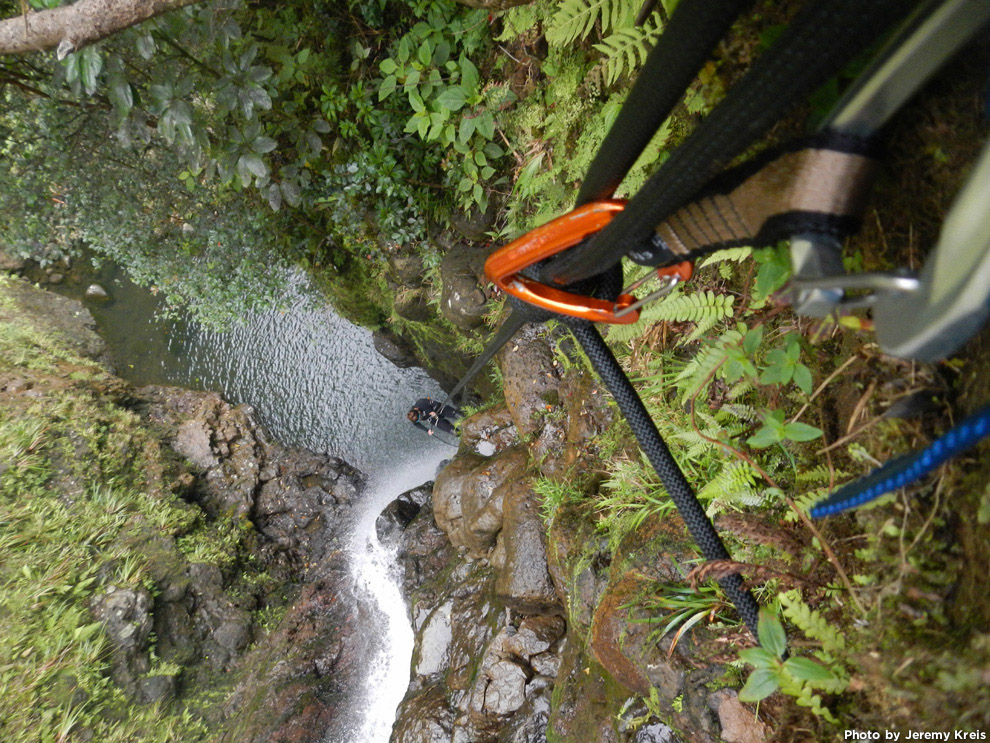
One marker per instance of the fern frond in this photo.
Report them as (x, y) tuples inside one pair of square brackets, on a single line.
[(809, 621), (736, 255), (699, 369), (740, 388), (575, 19), (626, 49), (738, 411), (819, 475), (735, 482), (805, 501)]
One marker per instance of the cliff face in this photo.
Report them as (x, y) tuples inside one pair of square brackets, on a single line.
[(168, 570), (526, 634)]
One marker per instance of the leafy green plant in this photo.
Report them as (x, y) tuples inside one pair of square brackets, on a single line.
[(776, 430), (430, 69), (796, 676)]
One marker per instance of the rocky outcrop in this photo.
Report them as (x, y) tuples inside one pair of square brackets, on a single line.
[(528, 634), (463, 301)]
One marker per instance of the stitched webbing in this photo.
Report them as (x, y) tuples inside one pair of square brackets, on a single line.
[(822, 38)]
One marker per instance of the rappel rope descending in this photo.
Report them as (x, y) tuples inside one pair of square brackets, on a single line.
[(691, 206)]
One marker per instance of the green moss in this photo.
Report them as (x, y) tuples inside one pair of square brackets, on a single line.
[(84, 504)]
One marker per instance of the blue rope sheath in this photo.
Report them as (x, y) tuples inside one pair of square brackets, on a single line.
[(907, 468)]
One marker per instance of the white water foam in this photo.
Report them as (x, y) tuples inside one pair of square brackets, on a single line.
[(375, 573)]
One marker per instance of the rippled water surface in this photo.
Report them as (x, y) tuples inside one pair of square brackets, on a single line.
[(314, 379)]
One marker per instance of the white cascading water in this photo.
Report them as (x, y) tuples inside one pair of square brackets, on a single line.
[(375, 573)]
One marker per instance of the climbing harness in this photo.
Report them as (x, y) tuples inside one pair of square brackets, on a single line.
[(812, 191)]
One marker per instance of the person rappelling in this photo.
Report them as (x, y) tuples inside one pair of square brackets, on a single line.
[(429, 415)]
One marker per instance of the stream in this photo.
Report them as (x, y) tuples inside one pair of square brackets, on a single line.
[(316, 381)]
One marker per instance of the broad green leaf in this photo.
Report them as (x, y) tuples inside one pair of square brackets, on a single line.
[(263, 145), (802, 378), (771, 633), (801, 432), (388, 66), (425, 53), (469, 76), (416, 102), (752, 340), (290, 190), (387, 87), (759, 657), (764, 437), (466, 130), (452, 99), (761, 683), (486, 125), (806, 669)]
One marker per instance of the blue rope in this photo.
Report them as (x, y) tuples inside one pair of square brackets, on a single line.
[(907, 468)]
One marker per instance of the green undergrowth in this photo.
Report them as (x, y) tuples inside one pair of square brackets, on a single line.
[(84, 500)]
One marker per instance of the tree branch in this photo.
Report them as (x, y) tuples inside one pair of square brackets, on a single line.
[(71, 27)]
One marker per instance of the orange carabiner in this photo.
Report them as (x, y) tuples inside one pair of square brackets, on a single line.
[(503, 266)]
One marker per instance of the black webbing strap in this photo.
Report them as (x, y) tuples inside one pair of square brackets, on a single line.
[(822, 38), (684, 46)]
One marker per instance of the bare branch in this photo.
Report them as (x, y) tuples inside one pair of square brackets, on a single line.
[(71, 27)]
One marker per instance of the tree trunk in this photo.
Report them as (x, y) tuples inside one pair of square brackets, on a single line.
[(71, 27)]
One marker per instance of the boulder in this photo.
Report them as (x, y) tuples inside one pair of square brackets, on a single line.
[(463, 301), (10, 262), (473, 225), (97, 292), (398, 514), (530, 378), (52, 313), (394, 348), (524, 582)]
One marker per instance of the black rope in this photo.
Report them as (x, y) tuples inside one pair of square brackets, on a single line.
[(653, 445)]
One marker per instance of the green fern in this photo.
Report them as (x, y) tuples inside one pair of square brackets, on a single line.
[(820, 475), (736, 255), (734, 483), (626, 49), (705, 309), (809, 621), (575, 19), (701, 367)]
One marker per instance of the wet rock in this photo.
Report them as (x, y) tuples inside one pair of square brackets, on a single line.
[(398, 514), (393, 348), (413, 305), (52, 313), (534, 636), (95, 291), (157, 689), (407, 270), (530, 378), (739, 725), (524, 582), (582, 711), (504, 688), (529, 724), (463, 301), (432, 652), (10, 262), (492, 427), (474, 224), (424, 717), (193, 442), (56, 278), (126, 617), (578, 559), (468, 497), (656, 732)]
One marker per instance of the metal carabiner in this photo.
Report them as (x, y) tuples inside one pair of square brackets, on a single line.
[(504, 265)]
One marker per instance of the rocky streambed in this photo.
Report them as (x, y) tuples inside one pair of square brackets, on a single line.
[(525, 634)]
